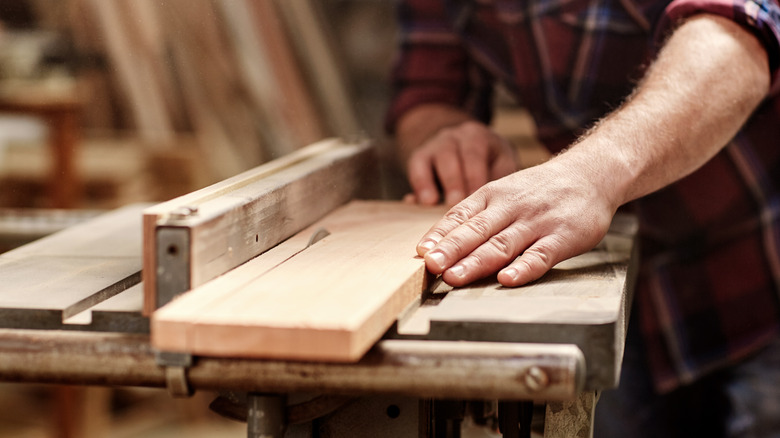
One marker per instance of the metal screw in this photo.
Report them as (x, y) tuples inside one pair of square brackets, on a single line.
[(535, 379), (184, 212)]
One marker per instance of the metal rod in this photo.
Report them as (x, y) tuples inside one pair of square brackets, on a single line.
[(427, 369), (265, 415)]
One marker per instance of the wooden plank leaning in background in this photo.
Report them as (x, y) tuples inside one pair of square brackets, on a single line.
[(196, 237), (313, 43), (251, 80), (329, 301)]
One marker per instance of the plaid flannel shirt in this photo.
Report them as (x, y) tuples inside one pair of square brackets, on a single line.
[(707, 295)]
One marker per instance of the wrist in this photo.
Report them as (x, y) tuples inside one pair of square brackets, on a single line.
[(609, 174)]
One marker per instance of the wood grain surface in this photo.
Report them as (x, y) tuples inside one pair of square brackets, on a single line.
[(45, 283), (330, 301), (241, 217)]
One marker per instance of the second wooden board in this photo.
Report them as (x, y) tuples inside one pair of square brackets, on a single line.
[(330, 301)]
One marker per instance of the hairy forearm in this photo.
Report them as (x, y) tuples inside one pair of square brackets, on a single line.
[(706, 82), (704, 85)]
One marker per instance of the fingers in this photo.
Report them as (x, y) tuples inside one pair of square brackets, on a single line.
[(440, 163), (455, 217), (531, 265), (449, 171), (465, 249), (524, 223), (489, 257), (421, 178), (535, 259), (458, 160), (462, 230)]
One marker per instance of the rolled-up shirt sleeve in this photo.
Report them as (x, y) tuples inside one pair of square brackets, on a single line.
[(761, 17), (432, 66)]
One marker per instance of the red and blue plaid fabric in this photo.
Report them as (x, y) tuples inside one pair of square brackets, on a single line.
[(708, 293)]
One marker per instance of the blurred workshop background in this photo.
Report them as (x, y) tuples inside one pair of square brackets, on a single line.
[(106, 103)]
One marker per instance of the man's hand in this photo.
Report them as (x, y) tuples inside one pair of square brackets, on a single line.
[(707, 80), (445, 149), (547, 213), (461, 159)]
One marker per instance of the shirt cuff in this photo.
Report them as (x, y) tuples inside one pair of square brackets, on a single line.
[(762, 17)]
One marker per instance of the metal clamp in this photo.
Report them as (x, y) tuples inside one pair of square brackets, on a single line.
[(176, 366)]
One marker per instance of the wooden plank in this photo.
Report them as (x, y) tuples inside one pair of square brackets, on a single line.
[(241, 217), (57, 277), (121, 313), (146, 30), (270, 94), (318, 54), (98, 237), (135, 73), (230, 131), (329, 302), (294, 100)]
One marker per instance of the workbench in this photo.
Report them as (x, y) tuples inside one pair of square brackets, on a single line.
[(72, 312)]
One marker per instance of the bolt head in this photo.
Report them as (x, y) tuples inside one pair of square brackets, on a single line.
[(184, 212), (535, 379)]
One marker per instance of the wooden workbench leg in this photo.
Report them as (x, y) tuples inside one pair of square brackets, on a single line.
[(81, 411), (65, 186), (571, 419)]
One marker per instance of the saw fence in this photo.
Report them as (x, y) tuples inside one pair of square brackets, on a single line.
[(308, 309)]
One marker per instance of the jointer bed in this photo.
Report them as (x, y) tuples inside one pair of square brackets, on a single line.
[(91, 305)]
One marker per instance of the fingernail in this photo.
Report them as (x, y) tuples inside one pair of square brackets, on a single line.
[(428, 197), (426, 245), (437, 258), (457, 270), (512, 273)]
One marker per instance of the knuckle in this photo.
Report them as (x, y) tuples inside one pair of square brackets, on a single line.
[(478, 261), (459, 214), (472, 127), (479, 225), (537, 259), (448, 132), (453, 247), (503, 245), (487, 190), (420, 154)]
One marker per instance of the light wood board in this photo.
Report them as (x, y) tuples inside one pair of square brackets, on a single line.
[(48, 282), (330, 301), (241, 217)]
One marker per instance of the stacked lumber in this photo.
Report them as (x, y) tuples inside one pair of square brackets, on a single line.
[(252, 80)]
